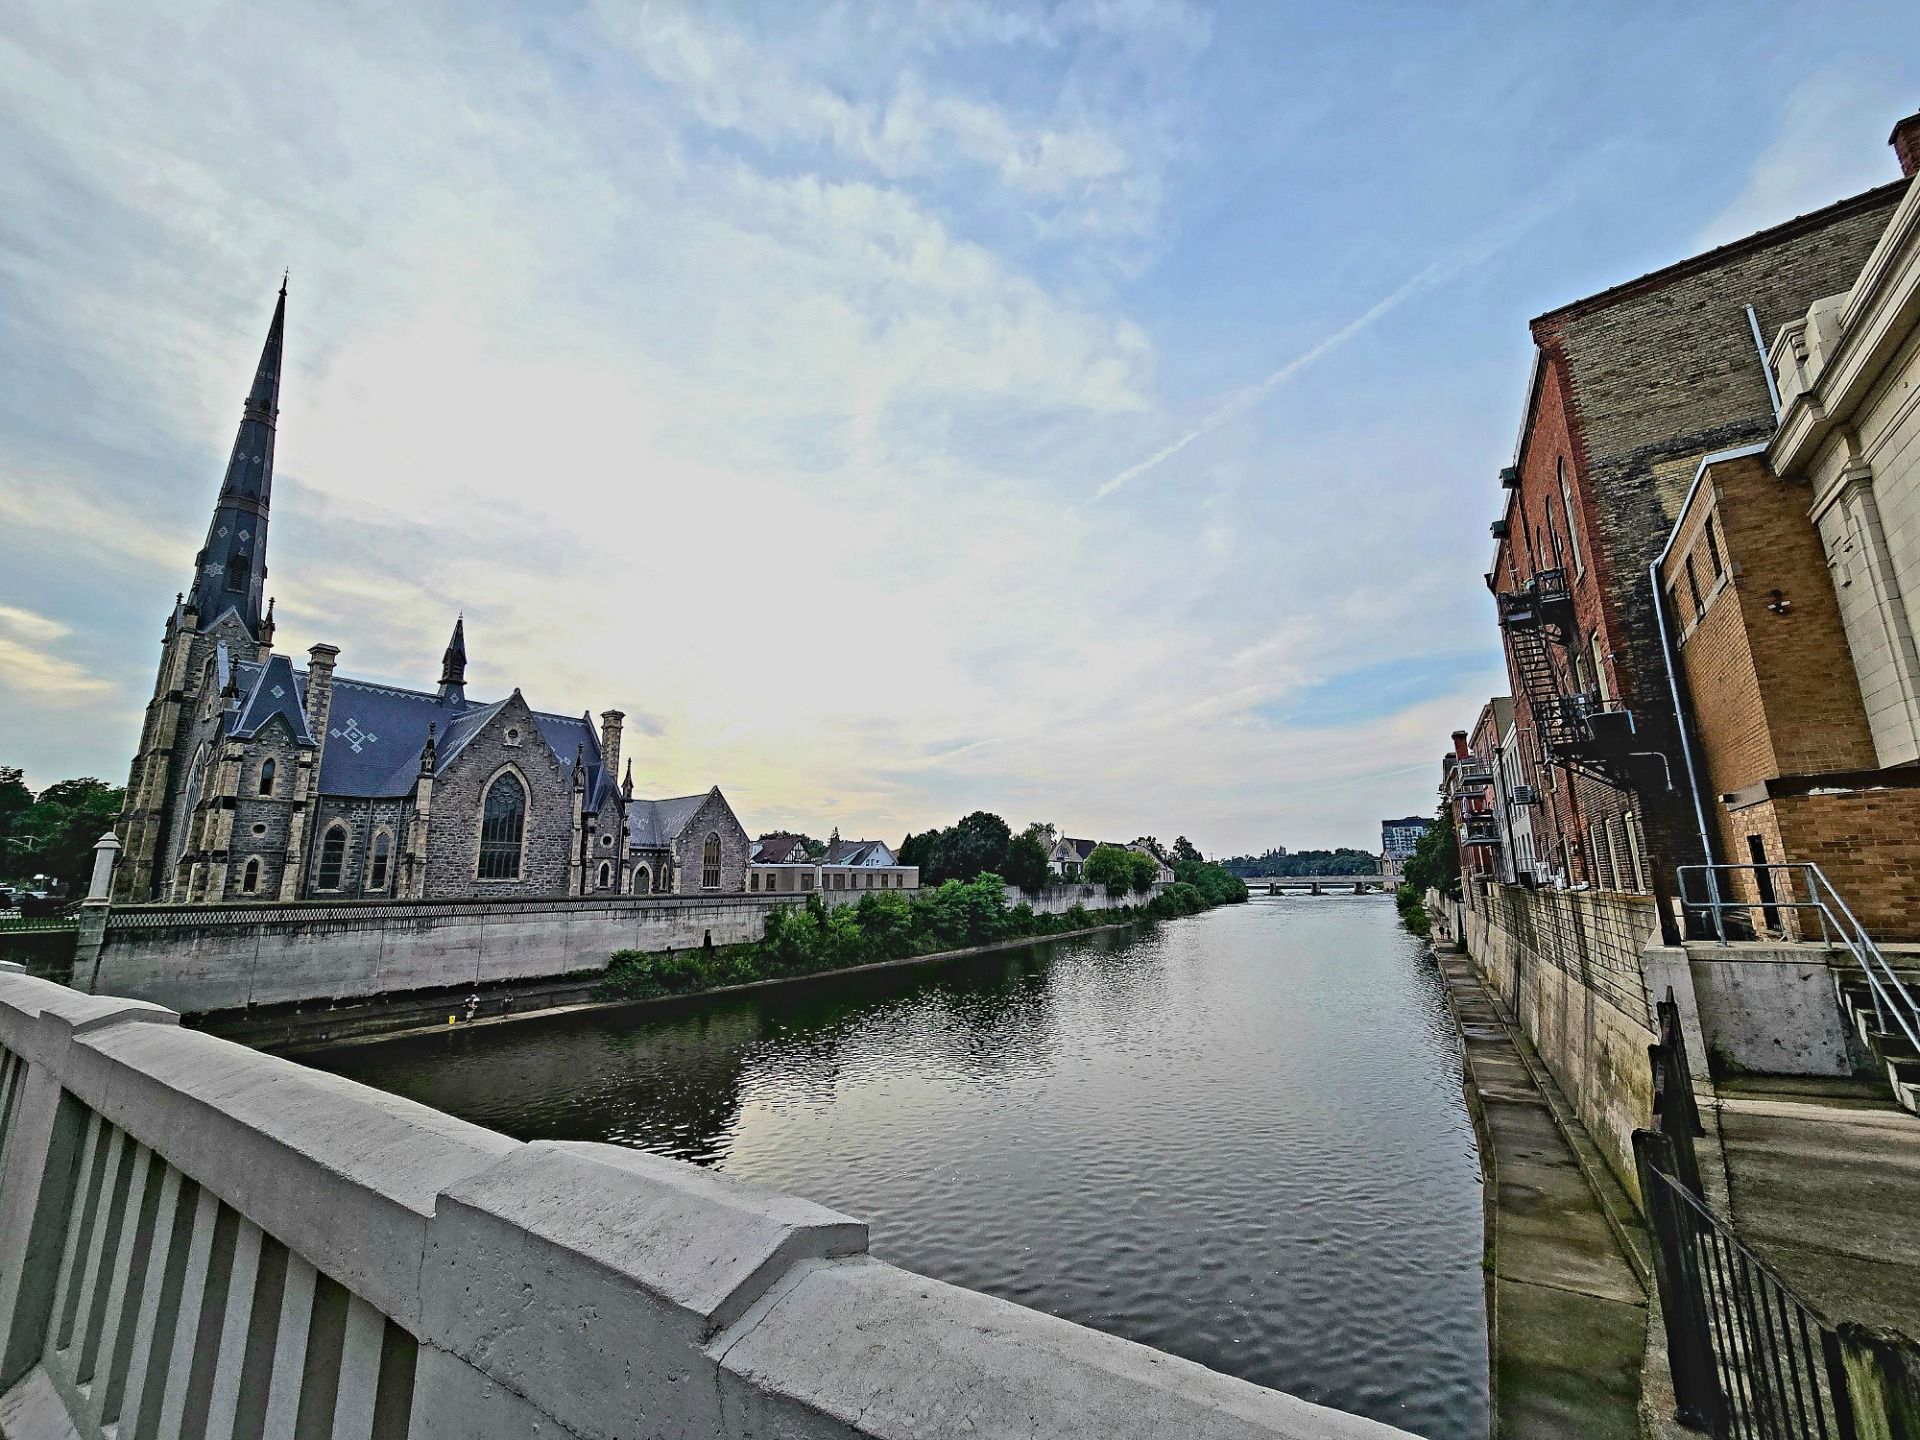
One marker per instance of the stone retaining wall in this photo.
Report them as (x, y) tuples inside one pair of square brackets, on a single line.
[(1568, 965), (189, 1228), (204, 958)]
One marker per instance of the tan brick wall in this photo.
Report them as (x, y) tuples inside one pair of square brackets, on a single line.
[(1770, 694), (1867, 842)]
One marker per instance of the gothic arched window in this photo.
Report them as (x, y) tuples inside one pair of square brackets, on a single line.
[(382, 852), (266, 777), (606, 875), (333, 856), (250, 878), (642, 880), (710, 864), (503, 824)]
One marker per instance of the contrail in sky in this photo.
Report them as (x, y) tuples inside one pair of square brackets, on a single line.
[(1241, 401)]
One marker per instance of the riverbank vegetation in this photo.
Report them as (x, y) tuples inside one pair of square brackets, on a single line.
[(1301, 864), (1434, 865), (894, 925)]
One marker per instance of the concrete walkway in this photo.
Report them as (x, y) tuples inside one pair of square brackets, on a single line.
[(1824, 1181), (1567, 1314)]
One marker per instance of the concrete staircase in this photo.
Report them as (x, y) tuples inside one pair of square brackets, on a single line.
[(1894, 1053)]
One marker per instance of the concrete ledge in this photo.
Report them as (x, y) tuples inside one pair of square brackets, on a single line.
[(857, 1347), (586, 1278)]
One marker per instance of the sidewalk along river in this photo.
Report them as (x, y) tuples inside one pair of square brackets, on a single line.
[(1238, 1137)]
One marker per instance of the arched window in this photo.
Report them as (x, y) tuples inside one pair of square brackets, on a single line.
[(710, 864), (606, 875), (250, 877), (382, 852), (266, 777), (503, 823), (642, 880), (333, 856)]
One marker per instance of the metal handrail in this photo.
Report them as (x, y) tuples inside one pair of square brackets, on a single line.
[(1892, 1001)]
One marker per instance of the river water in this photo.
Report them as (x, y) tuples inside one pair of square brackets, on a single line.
[(1239, 1137)]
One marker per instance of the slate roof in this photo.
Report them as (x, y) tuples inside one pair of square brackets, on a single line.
[(375, 734), (652, 824), (854, 852), (1076, 849), (270, 691)]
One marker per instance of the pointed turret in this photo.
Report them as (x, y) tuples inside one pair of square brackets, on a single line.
[(453, 664), (231, 569)]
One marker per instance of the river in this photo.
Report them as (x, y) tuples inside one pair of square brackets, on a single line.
[(1239, 1137)]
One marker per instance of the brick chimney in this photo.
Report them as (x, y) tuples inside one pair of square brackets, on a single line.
[(1459, 744), (1906, 143)]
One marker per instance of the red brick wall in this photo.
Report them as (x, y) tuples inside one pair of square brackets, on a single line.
[(1867, 842)]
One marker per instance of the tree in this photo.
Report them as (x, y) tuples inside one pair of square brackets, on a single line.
[(1026, 863), (807, 842), (1184, 849), (15, 800), (1047, 833), (979, 845), (1112, 866), (1152, 845), (61, 827), (1435, 862), (1146, 870)]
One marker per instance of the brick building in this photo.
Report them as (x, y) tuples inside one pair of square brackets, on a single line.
[(1630, 389), (255, 780), (1781, 734)]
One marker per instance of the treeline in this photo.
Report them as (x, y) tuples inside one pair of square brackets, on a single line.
[(893, 925), (53, 833), (1305, 863), (1434, 865)]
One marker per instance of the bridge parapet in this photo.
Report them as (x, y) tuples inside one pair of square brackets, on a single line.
[(189, 1228)]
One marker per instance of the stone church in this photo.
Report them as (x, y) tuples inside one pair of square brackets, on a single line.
[(257, 780)]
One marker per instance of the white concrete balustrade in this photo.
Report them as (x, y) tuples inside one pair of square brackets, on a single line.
[(200, 1242)]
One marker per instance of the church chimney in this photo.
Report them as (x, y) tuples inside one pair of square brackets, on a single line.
[(610, 723), (1906, 144), (453, 664), (320, 689)]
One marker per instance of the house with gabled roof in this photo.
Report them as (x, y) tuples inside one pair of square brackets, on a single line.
[(260, 780)]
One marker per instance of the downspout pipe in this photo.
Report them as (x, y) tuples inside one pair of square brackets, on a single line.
[(1673, 676)]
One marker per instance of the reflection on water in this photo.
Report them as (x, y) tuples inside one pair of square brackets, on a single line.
[(1239, 1137)]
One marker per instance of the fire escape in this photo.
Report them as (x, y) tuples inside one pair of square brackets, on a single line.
[(1577, 729)]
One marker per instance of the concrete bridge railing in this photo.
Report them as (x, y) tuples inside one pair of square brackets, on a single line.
[(199, 1239)]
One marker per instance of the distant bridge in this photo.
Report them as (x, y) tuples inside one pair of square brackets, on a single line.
[(1318, 884)]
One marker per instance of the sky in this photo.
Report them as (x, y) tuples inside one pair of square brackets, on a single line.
[(1087, 412)]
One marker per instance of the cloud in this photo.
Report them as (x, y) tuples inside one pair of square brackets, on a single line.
[(33, 668)]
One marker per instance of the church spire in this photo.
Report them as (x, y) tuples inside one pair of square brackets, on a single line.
[(453, 664), (230, 572)]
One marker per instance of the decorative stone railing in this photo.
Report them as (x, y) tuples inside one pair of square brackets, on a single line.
[(199, 1239)]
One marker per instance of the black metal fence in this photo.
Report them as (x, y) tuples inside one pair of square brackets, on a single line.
[(1751, 1360)]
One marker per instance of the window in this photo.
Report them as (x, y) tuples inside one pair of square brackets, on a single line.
[(1632, 827), (753, 881), (1713, 551), (266, 777), (1599, 668), (806, 880), (710, 864), (1613, 857), (333, 856), (503, 823), (382, 854), (1573, 531), (642, 880), (869, 882), (606, 875), (250, 878), (513, 737), (1693, 588)]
